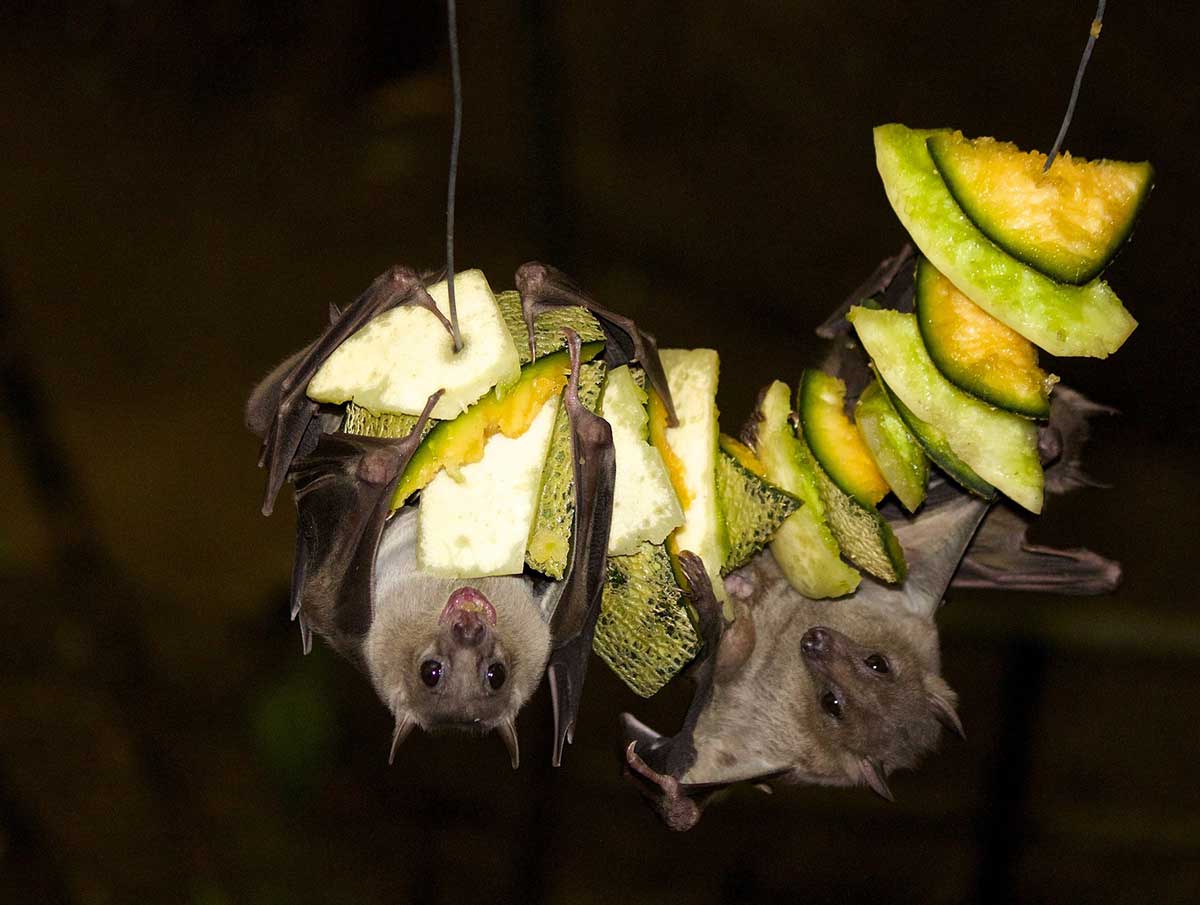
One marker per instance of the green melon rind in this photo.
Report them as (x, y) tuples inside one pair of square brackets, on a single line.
[(978, 382), (753, 508), (366, 423), (644, 632), (547, 326), (863, 535), (803, 545), (937, 448), (899, 455), (1023, 247), (549, 546), (1000, 447), (1062, 319)]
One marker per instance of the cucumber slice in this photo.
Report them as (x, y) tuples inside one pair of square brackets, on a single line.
[(643, 631), (998, 446), (477, 522), (975, 351), (645, 507), (937, 447), (547, 326), (1063, 320), (753, 507), (461, 441), (832, 439), (403, 356), (803, 546), (690, 454), (896, 451), (864, 536), (550, 538), (1068, 223)]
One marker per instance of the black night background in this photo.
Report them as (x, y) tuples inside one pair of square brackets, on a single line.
[(189, 185)]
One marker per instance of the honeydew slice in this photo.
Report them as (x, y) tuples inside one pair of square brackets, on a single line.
[(476, 521), (645, 507), (689, 451), (997, 445), (399, 359)]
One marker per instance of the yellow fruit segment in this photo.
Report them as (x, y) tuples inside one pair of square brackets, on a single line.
[(835, 441), (452, 444), (1067, 222), (977, 352), (658, 437), (743, 454)]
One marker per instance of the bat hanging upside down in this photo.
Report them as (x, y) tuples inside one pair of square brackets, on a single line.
[(833, 692)]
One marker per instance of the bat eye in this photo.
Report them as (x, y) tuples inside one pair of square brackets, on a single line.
[(496, 675), (831, 705), (878, 663), (431, 672)]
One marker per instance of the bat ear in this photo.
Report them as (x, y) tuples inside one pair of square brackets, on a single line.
[(941, 701), (872, 774), (404, 725), (508, 732)]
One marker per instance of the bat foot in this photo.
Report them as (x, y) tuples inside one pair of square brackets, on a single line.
[(665, 793)]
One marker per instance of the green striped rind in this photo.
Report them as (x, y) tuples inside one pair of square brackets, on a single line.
[(547, 327), (1020, 240), (803, 546), (998, 446), (863, 535), (937, 447), (365, 423), (753, 507), (550, 536), (644, 632), (1062, 319), (899, 455)]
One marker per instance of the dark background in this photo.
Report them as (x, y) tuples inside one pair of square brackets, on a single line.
[(186, 188)]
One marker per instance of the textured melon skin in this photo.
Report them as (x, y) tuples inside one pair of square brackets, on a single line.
[(753, 508), (896, 451), (1064, 320), (644, 632), (975, 351), (998, 446), (1068, 223)]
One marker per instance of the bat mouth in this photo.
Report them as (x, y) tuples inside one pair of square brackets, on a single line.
[(468, 600)]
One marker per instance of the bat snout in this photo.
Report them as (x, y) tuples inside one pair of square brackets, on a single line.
[(468, 629), (817, 642)]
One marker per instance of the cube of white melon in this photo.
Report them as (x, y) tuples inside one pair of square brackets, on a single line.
[(692, 378), (477, 522), (645, 507), (403, 356)]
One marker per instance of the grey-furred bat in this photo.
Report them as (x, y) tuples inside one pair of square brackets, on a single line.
[(843, 692), (440, 652)]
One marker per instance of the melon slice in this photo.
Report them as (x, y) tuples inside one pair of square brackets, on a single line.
[(476, 521), (645, 507), (403, 356)]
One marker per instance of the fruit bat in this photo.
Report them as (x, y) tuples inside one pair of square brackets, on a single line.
[(440, 652), (843, 692)]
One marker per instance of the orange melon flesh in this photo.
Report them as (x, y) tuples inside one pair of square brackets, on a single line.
[(1068, 222)]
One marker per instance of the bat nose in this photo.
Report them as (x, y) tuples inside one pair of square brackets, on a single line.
[(468, 629), (815, 641)]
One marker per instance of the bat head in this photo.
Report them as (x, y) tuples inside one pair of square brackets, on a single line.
[(458, 653), (879, 706)]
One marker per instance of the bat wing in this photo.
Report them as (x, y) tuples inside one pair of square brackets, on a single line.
[(542, 286), (574, 621), (343, 490), (290, 423)]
